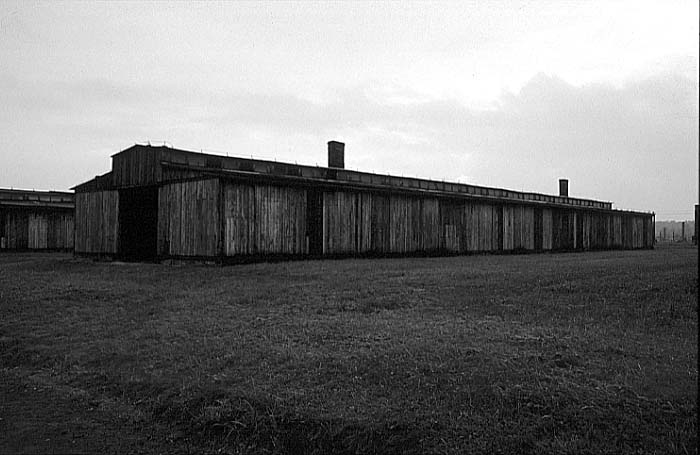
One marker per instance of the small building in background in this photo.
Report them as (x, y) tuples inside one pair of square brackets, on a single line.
[(161, 202), (36, 220)]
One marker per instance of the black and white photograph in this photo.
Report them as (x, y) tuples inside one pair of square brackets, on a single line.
[(349, 227)]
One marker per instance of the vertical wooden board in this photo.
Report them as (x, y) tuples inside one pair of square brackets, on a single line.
[(169, 211), (52, 228), (480, 219), (479, 222), (185, 208), (96, 222), (179, 219), (368, 232), (236, 217), (242, 220), (161, 236), (516, 226), (363, 222), (587, 230), (261, 213), (351, 223), (32, 231), (528, 237), (448, 215), (491, 228), (43, 231), (174, 218), (263, 219), (327, 203), (204, 240), (66, 233), (394, 233), (70, 232), (508, 237), (377, 217), (189, 218), (509, 223), (430, 222), (546, 229), (54, 231), (525, 227), (494, 228), (78, 220), (531, 228), (470, 222), (230, 230)]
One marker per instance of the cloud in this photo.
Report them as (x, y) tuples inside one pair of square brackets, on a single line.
[(635, 144)]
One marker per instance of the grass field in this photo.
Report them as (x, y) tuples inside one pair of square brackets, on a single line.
[(555, 353)]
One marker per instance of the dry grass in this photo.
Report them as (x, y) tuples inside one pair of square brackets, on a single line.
[(557, 353)]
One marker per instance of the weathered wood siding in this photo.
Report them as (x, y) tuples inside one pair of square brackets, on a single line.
[(547, 240), (359, 222), (341, 222), (262, 219), (35, 230), (468, 226), (138, 165), (518, 227), (97, 222), (356, 222), (215, 218), (15, 230), (189, 222)]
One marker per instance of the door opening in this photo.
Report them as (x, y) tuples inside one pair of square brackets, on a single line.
[(138, 223)]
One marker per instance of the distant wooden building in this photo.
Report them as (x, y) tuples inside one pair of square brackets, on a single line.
[(36, 220), (160, 202)]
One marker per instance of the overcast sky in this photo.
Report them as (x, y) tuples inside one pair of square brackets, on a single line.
[(499, 93)]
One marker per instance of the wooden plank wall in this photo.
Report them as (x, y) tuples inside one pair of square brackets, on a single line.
[(137, 165), (262, 219), (35, 230), (207, 218), (340, 222), (355, 222), (363, 222), (16, 229), (189, 223), (547, 229), (518, 227), (61, 233), (97, 222)]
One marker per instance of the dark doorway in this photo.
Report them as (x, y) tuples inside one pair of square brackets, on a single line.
[(314, 221), (138, 223)]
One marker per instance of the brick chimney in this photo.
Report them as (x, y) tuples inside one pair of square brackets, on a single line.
[(563, 188), (336, 154)]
